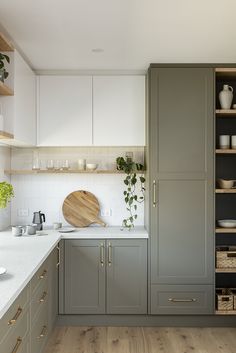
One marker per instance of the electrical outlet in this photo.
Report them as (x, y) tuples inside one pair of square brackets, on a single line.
[(23, 212), (106, 212)]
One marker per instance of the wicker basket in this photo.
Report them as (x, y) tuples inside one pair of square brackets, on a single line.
[(225, 299), (226, 259)]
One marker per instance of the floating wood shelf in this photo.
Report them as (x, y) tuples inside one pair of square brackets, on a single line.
[(225, 191), (5, 90), (69, 171), (229, 151), (229, 72), (225, 270), (225, 312), (5, 135), (227, 113), (225, 230), (5, 45)]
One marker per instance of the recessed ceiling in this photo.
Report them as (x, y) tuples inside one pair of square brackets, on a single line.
[(64, 34)]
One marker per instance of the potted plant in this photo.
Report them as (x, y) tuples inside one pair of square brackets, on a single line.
[(3, 72), (132, 198), (6, 193)]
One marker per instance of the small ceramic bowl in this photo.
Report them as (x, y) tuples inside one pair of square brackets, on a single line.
[(91, 166), (234, 106)]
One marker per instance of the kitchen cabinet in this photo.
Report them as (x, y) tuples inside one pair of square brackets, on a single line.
[(119, 110), (105, 276), (181, 180), (64, 111)]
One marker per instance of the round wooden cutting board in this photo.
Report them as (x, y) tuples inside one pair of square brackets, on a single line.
[(81, 208)]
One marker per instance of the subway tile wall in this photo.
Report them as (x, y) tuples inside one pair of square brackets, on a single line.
[(46, 192)]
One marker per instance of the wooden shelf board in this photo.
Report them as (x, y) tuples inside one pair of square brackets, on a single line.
[(226, 72), (225, 312), (5, 90), (6, 135), (225, 191), (70, 171), (226, 151), (226, 113), (5, 45), (225, 270), (225, 230)]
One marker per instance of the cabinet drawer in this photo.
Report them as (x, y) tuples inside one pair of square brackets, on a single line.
[(16, 339), (39, 331), (182, 299), (14, 315), (40, 298), (40, 276)]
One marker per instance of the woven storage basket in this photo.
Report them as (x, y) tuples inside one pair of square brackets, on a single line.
[(226, 259), (225, 299)]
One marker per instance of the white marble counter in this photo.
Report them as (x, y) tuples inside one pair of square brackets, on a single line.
[(22, 256)]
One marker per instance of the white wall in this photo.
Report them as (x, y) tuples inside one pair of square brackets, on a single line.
[(46, 192), (5, 160)]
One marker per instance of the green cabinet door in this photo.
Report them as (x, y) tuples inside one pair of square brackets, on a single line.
[(84, 291), (127, 276)]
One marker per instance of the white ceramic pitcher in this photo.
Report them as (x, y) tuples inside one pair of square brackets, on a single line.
[(226, 97)]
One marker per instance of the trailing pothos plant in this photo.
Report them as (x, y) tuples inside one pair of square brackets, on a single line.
[(3, 71), (131, 196), (6, 193)]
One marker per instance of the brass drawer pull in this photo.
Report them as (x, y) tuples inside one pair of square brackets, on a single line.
[(102, 254), (14, 319), (183, 300), (43, 332), (43, 274), (58, 255), (109, 254), (154, 202), (42, 299), (17, 345)]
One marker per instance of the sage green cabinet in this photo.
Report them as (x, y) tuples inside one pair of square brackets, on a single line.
[(105, 276), (181, 187)]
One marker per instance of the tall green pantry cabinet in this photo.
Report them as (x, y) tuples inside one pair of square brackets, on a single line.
[(181, 202)]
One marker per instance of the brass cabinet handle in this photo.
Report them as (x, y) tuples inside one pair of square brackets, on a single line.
[(42, 299), (58, 255), (16, 316), (109, 254), (43, 274), (17, 345), (102, 254), (43, 332), (182, 300), (154, 200)]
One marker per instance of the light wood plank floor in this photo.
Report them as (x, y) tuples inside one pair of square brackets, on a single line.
[(142, 340)]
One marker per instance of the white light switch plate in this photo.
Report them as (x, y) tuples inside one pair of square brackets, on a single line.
[(106, 212), (23, 212)]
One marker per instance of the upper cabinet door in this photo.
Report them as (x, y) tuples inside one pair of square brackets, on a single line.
[(65, 111), (119, 110)]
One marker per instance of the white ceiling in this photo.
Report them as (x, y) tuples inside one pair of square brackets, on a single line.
[(60, 34)]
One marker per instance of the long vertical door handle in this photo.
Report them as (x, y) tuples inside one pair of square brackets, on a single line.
[(102, 254), (58, 255), (109, 254), (154, 196)]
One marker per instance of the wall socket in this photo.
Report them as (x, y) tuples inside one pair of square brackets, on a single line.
[(23, 212), (106, 212)]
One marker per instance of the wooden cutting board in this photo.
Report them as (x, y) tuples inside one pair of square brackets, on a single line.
[(81, 208)]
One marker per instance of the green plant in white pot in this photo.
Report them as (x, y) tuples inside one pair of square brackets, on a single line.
[(3, 72), (6, 193)]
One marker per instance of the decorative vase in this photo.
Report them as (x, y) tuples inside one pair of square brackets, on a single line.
[(226, 97)]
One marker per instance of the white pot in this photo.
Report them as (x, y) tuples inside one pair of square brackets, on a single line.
[(226, 97)]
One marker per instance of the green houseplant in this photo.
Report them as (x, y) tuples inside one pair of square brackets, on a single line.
[(131, 197), (6, 193), (3, 72)]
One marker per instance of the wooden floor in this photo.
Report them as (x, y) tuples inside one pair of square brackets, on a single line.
[(142, 340)]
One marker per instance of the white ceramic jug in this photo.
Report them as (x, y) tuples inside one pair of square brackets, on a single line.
[(226, 97)]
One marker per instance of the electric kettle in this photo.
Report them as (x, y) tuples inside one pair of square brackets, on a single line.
[(38, 219)]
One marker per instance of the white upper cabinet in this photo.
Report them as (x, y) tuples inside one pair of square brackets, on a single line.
[(119, 110), (24, 125), (65, 111)]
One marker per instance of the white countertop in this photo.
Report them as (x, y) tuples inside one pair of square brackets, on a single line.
[(22, 256)]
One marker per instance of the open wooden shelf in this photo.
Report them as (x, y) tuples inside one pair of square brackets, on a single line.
[(226, 151), (225, 191), (5, 45), (227, 113), (6, 135), (5, 90), (69, 171), (225, 230), (227, 72), (225, 270), (225, 312)]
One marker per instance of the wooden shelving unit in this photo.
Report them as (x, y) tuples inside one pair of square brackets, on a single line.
[(225, 230), (226, 72), (5, 44), (69, 171), (5, 135), (5, 90), (226, 113), (225, 312), (225, 270), (225, 191), (226, 151)]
